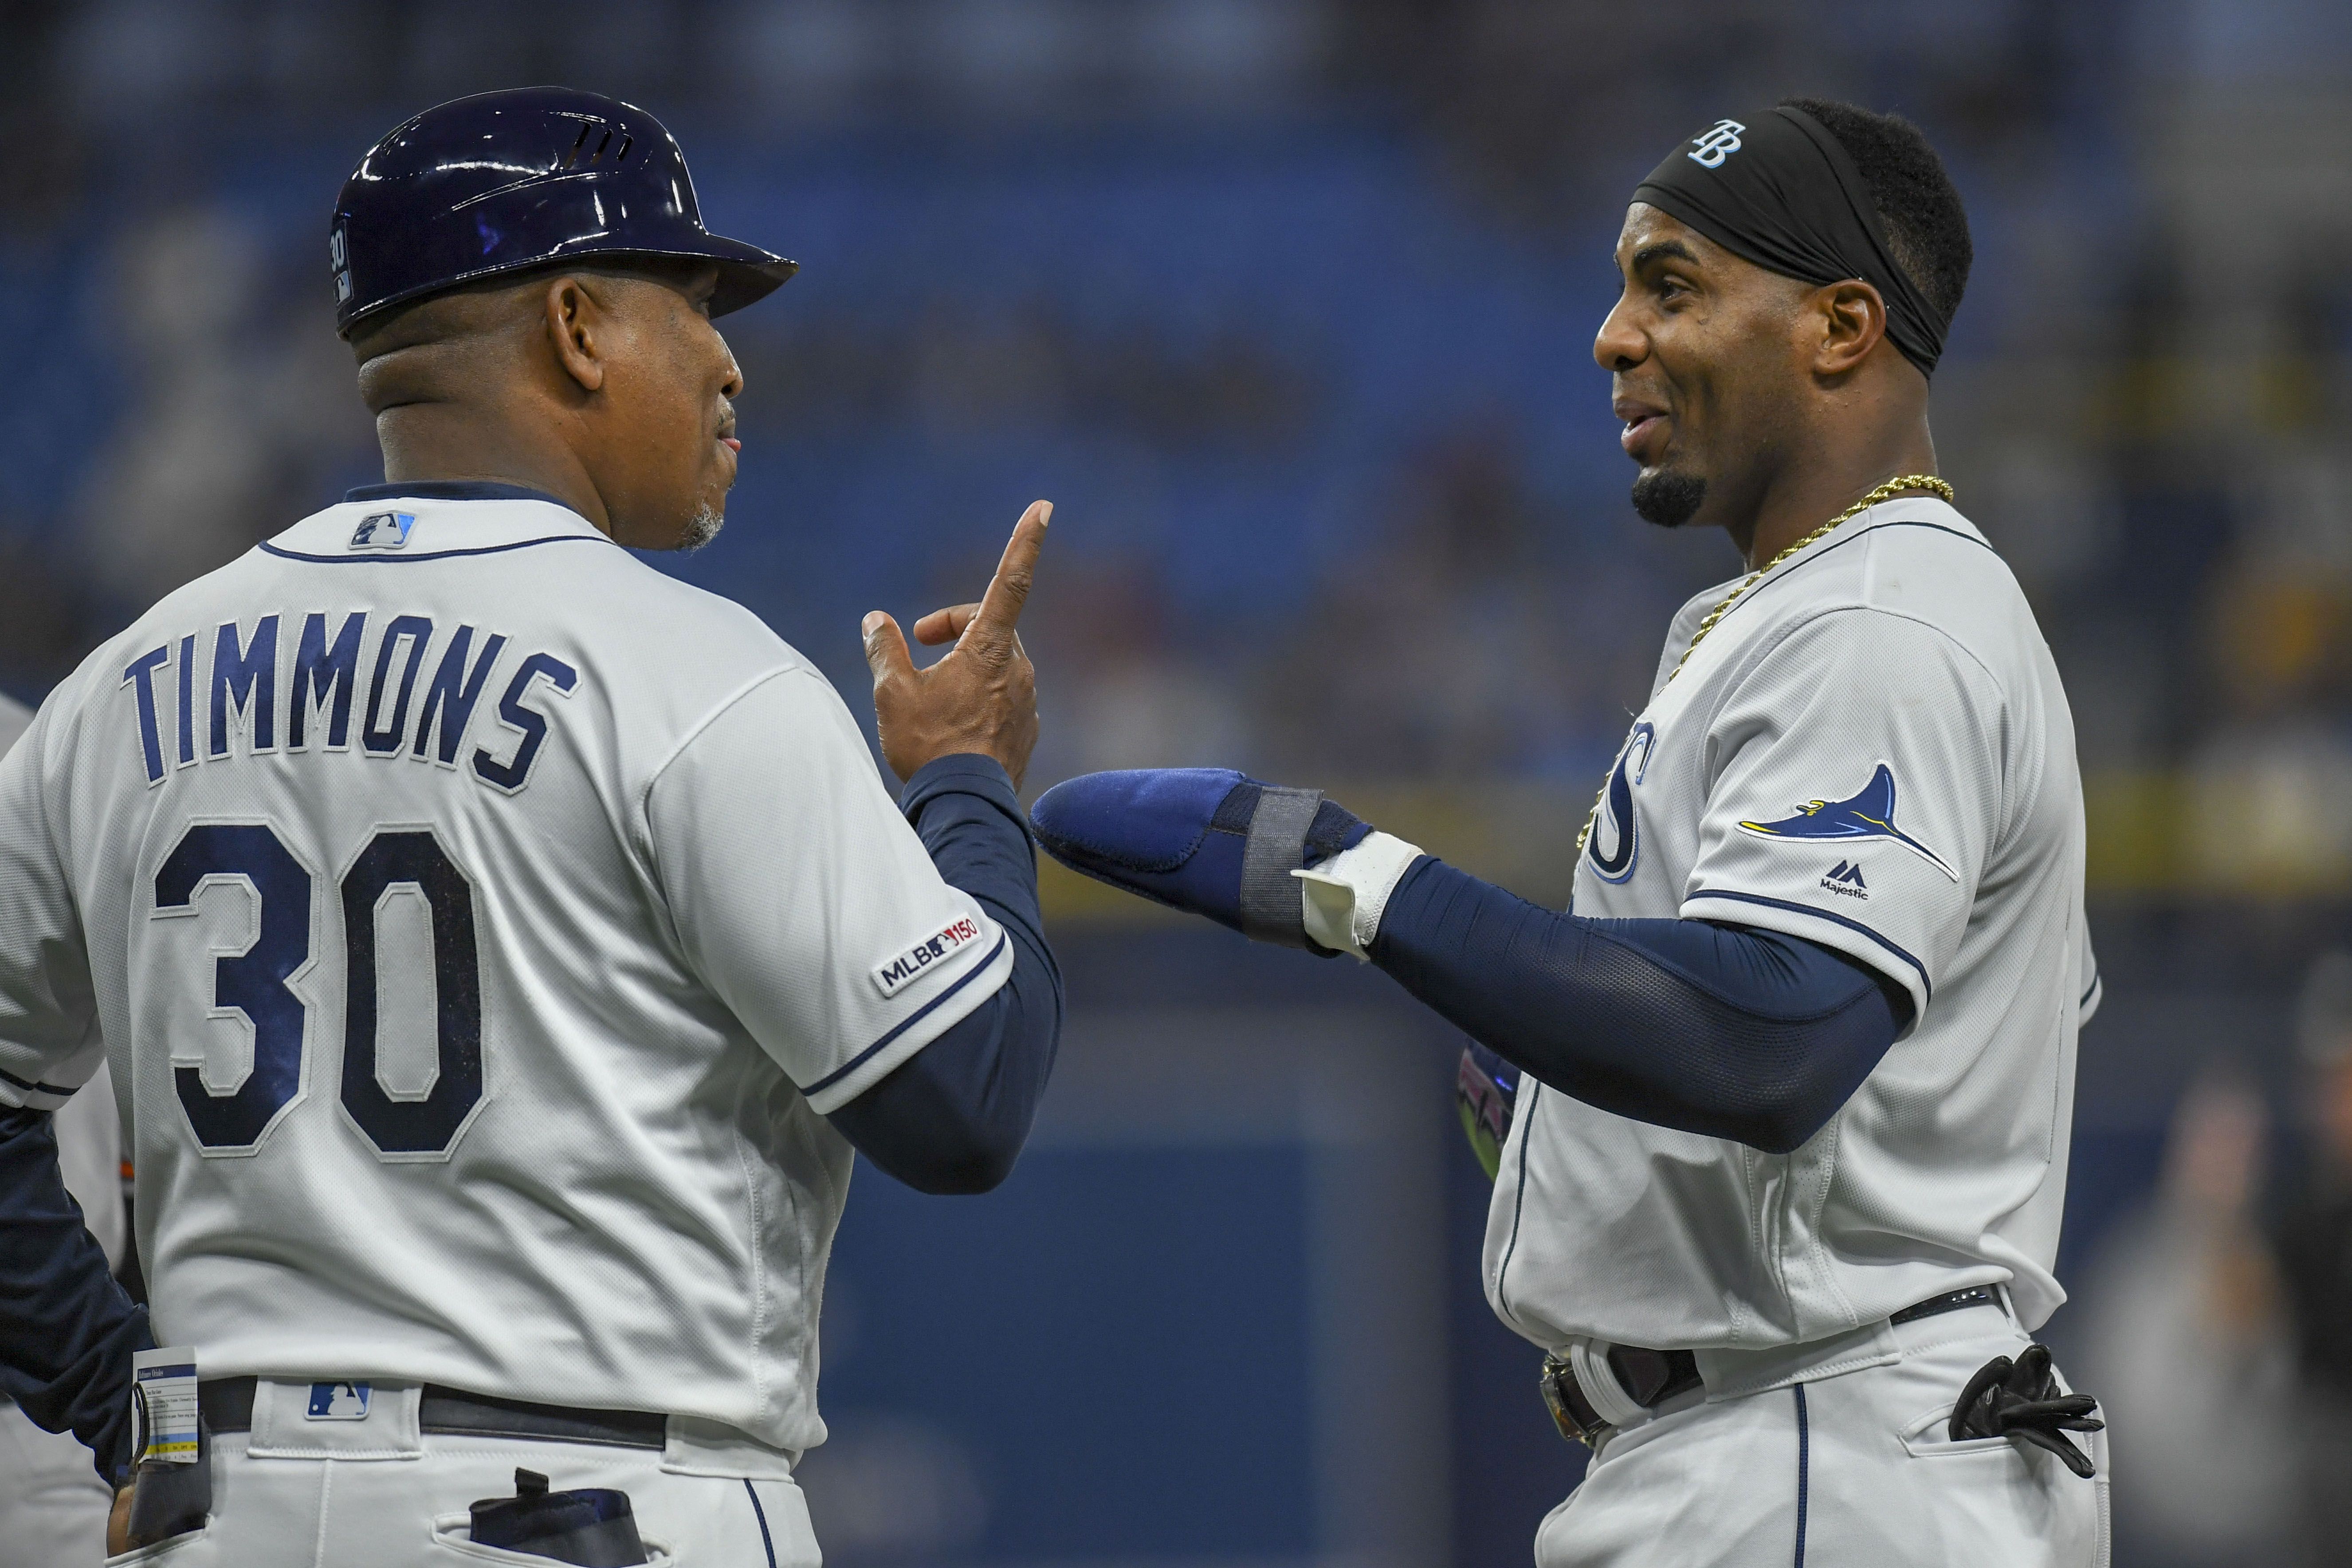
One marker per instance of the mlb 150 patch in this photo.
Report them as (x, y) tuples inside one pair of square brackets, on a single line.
[(894, 976)]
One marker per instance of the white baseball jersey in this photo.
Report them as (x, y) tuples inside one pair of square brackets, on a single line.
[(482, 923), (1871, 750), (14, 716), (88, 1130), (52, 1504)]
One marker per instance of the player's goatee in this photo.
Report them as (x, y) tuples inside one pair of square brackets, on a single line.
[(702, 528), (1667, 499)]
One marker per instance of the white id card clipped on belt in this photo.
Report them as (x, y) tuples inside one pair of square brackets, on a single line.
[(163, 1405)]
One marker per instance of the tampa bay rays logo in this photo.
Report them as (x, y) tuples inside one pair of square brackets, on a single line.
[(1870, 814), (1719, 143), (1615, 824)]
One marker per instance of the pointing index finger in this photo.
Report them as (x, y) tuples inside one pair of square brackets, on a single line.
[(1000, 608)]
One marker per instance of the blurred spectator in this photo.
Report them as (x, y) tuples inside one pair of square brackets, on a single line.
[(36, 191), (243, 409), (2272, 780), (1446, 647), (2186, 1347), (44, 621), (2270, 806), (2315, 1256), (1122, 693)]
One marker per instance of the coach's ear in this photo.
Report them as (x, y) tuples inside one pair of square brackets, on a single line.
[(576, 321)]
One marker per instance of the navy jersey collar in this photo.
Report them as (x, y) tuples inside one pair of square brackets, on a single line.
[(454, 490)]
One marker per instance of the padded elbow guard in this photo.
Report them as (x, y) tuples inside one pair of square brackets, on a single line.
[(1208, 840)]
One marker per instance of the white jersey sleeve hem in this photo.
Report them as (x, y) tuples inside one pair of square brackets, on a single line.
[(958, 1001), (59, 1084), (1837, 933)]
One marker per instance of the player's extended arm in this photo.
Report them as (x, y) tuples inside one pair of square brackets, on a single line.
[(66, 1330), (1715, 1029), (1719, 1029), (954, 1118)]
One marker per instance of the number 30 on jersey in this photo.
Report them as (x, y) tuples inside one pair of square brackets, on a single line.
[(257, 983)]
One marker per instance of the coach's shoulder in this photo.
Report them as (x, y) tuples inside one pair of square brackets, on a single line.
[(693, 624), (673, 656)]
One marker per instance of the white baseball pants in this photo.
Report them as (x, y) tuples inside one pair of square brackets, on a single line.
[(337, 1495), (1849, 1471), (52, 1504)]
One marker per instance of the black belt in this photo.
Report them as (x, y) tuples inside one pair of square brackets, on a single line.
[(226, 1403), (1651, 1377)]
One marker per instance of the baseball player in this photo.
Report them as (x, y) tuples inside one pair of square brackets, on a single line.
[(1782, 1196), (52, 1506), (503, 945)]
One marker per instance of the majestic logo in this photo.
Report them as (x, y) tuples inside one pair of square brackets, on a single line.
[(1847, 880), (1717, 144), (383, 531), (1612, 818), (1867, 814), (894, 975)]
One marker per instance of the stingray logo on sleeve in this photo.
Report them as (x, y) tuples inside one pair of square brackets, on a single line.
[(925, 955), (1866, 815)]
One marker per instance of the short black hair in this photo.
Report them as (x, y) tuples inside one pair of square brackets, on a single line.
[(667, 270), (1916, 202)]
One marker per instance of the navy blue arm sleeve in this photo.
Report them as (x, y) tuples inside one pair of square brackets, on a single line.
[(954, 1118), (66, 1330), (1721, 1030)]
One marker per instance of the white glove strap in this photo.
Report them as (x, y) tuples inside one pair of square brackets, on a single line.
[(1342, 898)]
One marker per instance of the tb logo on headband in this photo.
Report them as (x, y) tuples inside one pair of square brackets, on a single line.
[(1717, 144)]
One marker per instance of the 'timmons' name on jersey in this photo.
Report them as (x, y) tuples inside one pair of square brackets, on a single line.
[(239, 695)]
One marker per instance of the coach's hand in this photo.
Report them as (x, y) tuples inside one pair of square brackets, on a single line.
[(118, 1522), (982, 698)]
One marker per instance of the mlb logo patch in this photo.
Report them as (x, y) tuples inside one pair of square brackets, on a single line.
[(894, 975), (382, 530), (337, 1402)]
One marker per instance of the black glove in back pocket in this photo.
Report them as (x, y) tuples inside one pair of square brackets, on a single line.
[(593, 1527), (2022, 1401)]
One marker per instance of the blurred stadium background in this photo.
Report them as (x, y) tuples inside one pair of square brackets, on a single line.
[(1288, 306)]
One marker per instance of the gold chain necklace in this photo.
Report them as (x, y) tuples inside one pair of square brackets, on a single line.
[(1886, 492)]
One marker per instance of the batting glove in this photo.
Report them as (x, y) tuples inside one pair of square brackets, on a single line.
[(2021, 1401)]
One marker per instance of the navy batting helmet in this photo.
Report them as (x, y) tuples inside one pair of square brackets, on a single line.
[(503, 181)]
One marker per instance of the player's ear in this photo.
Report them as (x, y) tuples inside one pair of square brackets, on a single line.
[(1848, 319), (576, 319)]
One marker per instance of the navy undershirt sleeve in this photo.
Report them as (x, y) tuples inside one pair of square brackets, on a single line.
[(66, 1330), (954, 1117), (1723, 1030)]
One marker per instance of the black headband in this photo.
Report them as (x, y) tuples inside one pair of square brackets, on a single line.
[(1781, 191)]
